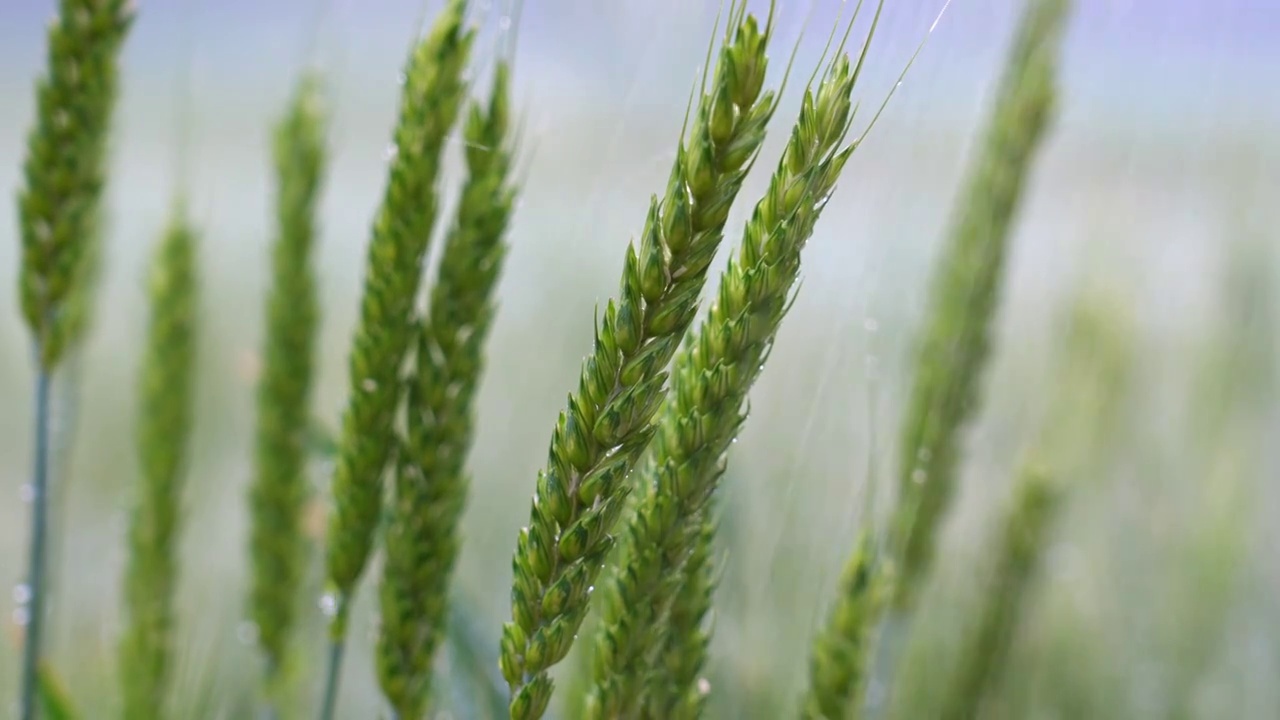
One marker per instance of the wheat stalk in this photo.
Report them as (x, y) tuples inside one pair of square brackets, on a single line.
[(432, 95), (277, 496), (609, 421), (966, 292), (58, 215), (164, 424), (711, 380), (431, 484)]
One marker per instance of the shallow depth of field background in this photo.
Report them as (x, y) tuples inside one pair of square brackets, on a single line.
[(1164, 164)]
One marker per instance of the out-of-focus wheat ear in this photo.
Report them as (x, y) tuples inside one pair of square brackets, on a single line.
[(1017, 553), (278, 493), (64, 172), (956, 339), (610, 419), (841, 652), (432, 96), (711, 379), (164, 429), (430, 485)]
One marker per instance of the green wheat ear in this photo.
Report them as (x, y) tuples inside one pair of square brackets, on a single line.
[(1017, 554), (839, 663), (609, 420), (432, 95), (965, 295), (710, 382), (278, 494), (430, 487), (65, 169), (164, 428)]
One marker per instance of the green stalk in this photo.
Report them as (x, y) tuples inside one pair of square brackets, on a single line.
[(430, 487), (1018, 552), (711, 380), (432, 95), (64, 173), (610, 419), (278, 494), (966, 293), (164, 424)]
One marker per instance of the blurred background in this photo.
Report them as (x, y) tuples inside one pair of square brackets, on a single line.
[(1154, 200)]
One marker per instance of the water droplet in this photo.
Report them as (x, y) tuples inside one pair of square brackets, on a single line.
[(391, 152), (369, 385), (22, 593), (247, 632), (401, 78), (870, 325), (504, 23), (919, 475), (21, 616), (704, 686), (925, 454), (329, 604), (27, 492)]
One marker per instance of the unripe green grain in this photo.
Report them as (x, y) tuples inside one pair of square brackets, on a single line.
[(432, 95), (609, 421), (164, 428), (711, 380), (430, 486), (278, 548), (966, 292)]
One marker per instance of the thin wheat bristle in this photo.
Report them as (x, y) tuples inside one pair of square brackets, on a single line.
[(164, 429), (430, 485), (278, 493), (966, 292), (432, 96), (609, 420), (711, 379)]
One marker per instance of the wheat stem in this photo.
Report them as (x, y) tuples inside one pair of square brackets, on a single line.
[(36, 558), (430, 485), (609, 421)]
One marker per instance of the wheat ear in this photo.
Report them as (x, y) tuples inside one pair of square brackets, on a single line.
[(432, 96), (430, 486), (278, 493), (609, 421), (966, 292), (58, 211), (1017, 553), (711, 379), (164, 429)]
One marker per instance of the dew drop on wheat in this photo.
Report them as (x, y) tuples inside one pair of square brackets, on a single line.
[(22, 593), (27, 492), (925, 454), (369, 385), (870, 325), (918, 476), (329, 604), (247, 632), (21, 616), (391, 151)]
